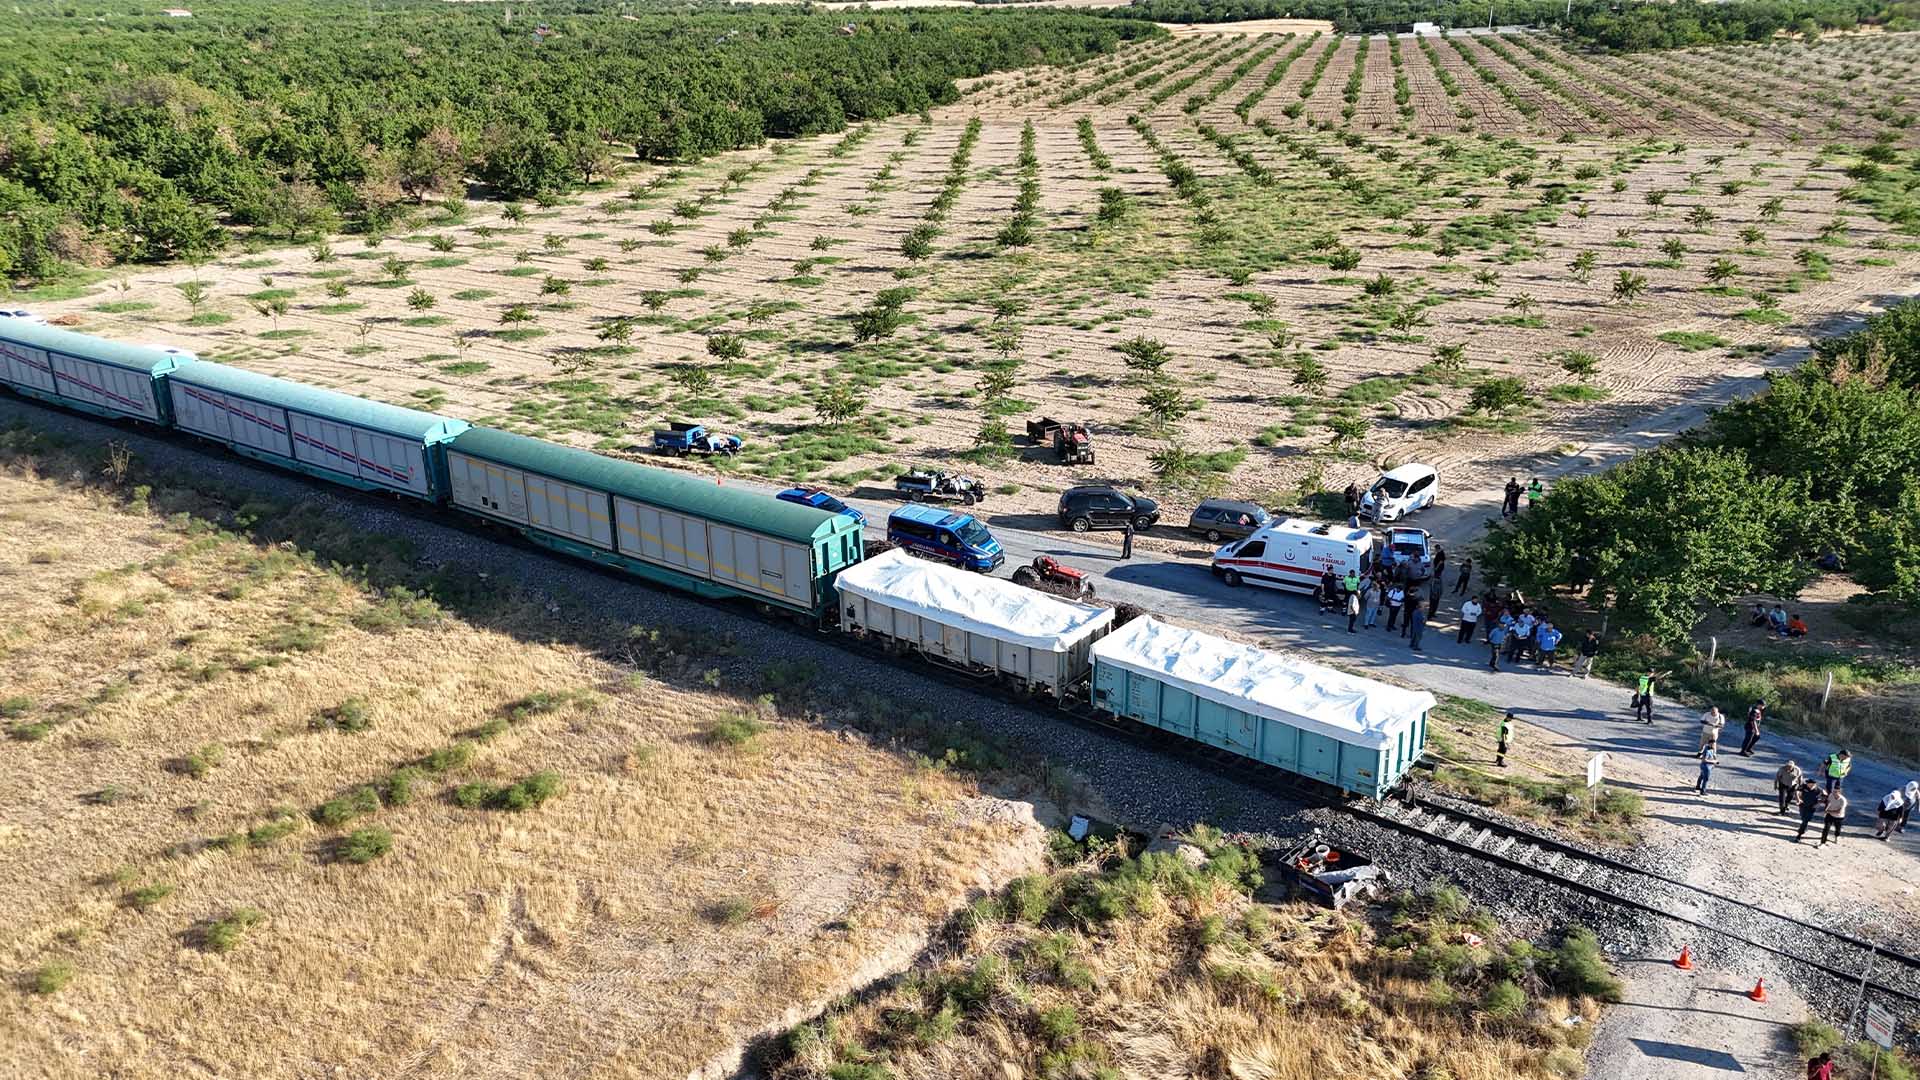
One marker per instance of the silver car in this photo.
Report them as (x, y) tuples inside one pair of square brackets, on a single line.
[(1226, 519)]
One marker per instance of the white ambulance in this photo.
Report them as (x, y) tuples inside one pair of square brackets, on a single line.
[(1292, 553)]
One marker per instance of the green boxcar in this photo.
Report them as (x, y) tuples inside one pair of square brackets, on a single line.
[(1345, 731), (337, 437), (672, 527), (80, 371)]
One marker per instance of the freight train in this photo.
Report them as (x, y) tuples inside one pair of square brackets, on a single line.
[(716, 541)]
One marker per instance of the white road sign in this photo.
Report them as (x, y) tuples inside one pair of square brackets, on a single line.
[(1880, 1026), (1594, 766)]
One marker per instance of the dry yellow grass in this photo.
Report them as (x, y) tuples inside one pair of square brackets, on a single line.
[(678, 895), (1199, 981)]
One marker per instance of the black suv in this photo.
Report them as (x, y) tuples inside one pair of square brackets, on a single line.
[(1084, 508)]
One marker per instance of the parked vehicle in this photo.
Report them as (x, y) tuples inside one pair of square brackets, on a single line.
[(981, 624), (1344, 730), (684, 439), (21, 315), (944, 535), (1222, 519), (820, 500), (1292, 553), (918, 484), (1102, 507), (1049, 574), (1072, 442), (1411, 549), (1400, 491)]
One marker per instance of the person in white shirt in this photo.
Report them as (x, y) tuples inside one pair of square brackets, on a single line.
[(1891, 809), (1711, 722), (1469, 616)]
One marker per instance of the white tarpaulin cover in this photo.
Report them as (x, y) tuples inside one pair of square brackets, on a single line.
[(994, 607), (1306, 695)]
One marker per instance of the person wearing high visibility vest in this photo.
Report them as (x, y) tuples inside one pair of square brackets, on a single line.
[(1643, 695), (1506, 739), (1839, 764), (1536, 491)]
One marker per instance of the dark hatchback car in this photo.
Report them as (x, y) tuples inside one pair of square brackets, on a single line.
[(1226, 519), (1100, 507)]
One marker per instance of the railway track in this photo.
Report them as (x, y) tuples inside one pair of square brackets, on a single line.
[(1796, 941)]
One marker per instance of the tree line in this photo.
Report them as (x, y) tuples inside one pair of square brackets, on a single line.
[(1625, 25), (1824, 467), (127, 135)]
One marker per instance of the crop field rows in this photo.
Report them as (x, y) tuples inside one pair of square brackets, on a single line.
[(1341, 247)]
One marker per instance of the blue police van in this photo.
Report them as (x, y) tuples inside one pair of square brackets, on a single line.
[(947, 536)]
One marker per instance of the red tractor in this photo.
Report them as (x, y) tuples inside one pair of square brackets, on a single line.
[(1050, 575)]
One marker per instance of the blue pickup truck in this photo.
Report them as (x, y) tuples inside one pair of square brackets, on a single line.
[(684, 439)]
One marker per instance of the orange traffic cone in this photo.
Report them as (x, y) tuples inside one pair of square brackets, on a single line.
[(1759, 991), (1685, 962)]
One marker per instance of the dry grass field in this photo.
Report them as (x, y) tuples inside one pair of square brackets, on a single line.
[(1150, 969), (1334, 243), (266, 820)]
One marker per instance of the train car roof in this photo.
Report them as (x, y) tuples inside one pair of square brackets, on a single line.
[(39, 335), (1349, 708), (313, 401), (993, 607), (668, 489)]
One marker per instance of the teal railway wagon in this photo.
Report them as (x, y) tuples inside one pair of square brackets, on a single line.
[(675, 528), (337, 437), (80, 371), (1345, 731)]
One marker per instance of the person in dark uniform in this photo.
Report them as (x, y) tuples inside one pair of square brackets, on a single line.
[(1126, 542)]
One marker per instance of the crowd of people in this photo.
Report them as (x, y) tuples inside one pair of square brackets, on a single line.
[(1777, 621), (1512, 630), (1819, 795)]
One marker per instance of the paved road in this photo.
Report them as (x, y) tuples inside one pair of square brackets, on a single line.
[(1596, 713)]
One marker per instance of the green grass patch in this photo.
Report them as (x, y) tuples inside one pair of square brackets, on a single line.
[(1694, 340), (209, 318), (466, 367), (1374, 391), (474, 294), (122, 307), (1576, 392), (225, 933), (363, 846), (525, 794), (735, 730)]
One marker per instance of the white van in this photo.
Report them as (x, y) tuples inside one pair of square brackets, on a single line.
[(1292, 553)]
